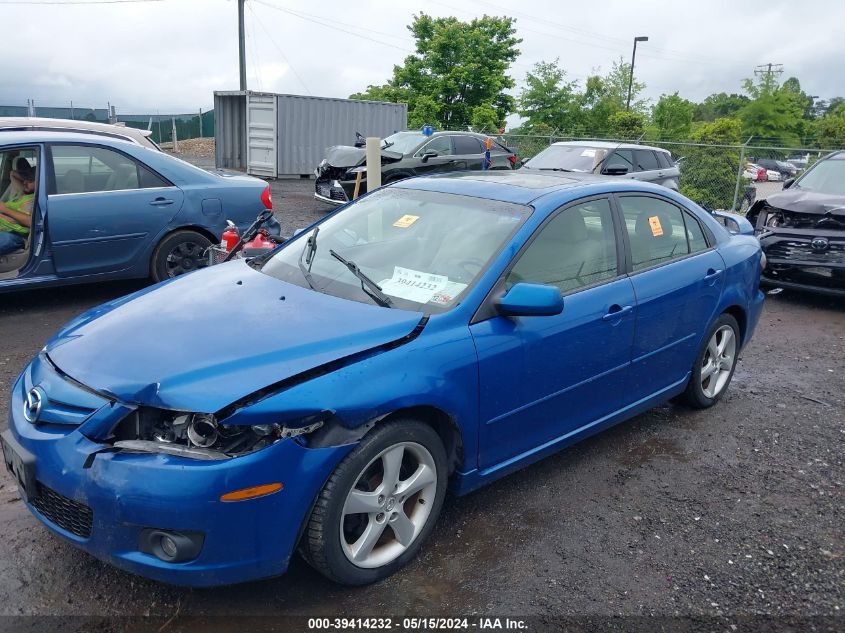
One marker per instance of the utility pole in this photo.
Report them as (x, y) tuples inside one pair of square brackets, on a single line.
[(768, 70), (641, 38), (242, 43)]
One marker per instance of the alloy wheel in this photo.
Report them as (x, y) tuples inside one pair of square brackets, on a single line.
[(185, 257), (718, 361), (389, 504)]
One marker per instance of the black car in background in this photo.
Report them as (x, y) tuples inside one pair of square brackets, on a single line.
[(802, 229), (785, 169), (403, 155)]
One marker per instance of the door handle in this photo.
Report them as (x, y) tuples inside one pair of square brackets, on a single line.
[(617, 312), (161, 202), (712, 275)]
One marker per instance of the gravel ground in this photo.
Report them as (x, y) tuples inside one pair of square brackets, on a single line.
[(714, 516)]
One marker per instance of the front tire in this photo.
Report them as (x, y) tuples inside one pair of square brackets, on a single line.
[(715, 364), (179, 253), (379, 505)]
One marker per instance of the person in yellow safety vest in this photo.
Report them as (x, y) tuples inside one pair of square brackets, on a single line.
[(16, 213)]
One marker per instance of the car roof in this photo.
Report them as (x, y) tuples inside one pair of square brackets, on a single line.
[(139, 136), (13, 137), (519, 186), (609, 145)]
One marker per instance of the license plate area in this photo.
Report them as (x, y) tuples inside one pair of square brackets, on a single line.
[(21, 465)]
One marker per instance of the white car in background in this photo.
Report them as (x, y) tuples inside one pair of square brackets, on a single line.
[(122, 132)]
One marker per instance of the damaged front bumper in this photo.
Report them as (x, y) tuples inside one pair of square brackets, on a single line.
[(811, 260), (109, 502)]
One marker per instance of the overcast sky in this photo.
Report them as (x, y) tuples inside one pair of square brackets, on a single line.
[(171, 55)]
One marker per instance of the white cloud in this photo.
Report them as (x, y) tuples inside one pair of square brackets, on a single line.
[(171, 56)]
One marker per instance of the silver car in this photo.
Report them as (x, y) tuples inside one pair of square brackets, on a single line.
[(122, 132), (625, 160)]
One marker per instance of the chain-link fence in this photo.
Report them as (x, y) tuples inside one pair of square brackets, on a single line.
[(715, 176), (198, 124)]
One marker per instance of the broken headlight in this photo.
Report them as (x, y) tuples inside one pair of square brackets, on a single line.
[(198, 435)]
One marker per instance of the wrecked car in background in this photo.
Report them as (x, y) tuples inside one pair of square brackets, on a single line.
[(802, 230), (403, 155)]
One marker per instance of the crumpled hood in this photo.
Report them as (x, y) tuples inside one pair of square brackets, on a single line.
[(348, 156), (200, 342), (801, 201)]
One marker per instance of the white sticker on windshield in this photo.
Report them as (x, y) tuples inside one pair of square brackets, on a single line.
[(588, 152), (413, 285)]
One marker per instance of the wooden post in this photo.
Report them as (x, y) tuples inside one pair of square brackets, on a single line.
[(200, 123), (174, 139), (357, 185)]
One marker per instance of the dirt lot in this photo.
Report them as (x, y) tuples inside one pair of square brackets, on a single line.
[(717, 515)]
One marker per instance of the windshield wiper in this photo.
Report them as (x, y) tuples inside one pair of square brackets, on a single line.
[(308, 252), (387, 144), (375, 291), (554, 169)]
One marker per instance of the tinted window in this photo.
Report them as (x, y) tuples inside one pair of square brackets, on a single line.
[(646, 160), (499, 148), (695, 236), (621, 158), (87, 169), (656, 230), (575, 249), (663, 160), (440, 144), (467, 145)]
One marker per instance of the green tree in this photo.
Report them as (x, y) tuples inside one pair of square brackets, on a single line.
[(708, 175), (719, 105), (830, 130), (672, 117), (548, 101), (775, 112), (457, 67), (625, 125), (606, 95)]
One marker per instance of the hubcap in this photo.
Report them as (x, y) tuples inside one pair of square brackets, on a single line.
[(718, 361), (184, 258), (388, 505)]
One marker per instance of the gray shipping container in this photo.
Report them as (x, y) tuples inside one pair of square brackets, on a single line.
[(272, 135)]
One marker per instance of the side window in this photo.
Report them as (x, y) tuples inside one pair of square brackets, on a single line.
[(663, 160), (575, 249), (18, 181), (695, 236), (646, 160), (467, 145), (656, 230), (621, 158), (440, 144), (89, 169)]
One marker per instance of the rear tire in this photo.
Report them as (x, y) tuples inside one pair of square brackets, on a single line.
[(179, 253), (714, 365), (380, 504)]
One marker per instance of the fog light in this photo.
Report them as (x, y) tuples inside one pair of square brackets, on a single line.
[(168, 546), (171, 546)]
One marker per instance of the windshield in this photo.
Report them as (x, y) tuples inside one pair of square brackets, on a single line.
[(568, 158), (423, 249), (403, 142), (828, 176)]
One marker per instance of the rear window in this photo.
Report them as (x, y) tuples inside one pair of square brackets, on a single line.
[(663, 160), (467, 145), (646, 161)]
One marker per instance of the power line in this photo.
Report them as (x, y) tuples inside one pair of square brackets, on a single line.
[(278, 48), (74, 2), (331, 25)]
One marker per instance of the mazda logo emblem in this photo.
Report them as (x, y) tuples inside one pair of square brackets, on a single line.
[(32, 406), (819, 244)]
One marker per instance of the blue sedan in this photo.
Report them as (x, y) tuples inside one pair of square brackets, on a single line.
[(103, 208), (438, 333)]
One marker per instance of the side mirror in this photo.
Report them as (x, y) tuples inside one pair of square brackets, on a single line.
[(733, 222), (788, 183), (525, 299), (428, 154), (615, 170)]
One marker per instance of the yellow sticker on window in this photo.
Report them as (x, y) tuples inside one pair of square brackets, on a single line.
[(405, 221), (656, 229)]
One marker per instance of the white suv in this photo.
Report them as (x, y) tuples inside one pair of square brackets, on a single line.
[(627, 160)]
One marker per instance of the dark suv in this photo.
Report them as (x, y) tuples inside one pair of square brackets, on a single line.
[(802, 230), (786, 170), (403, 155)]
